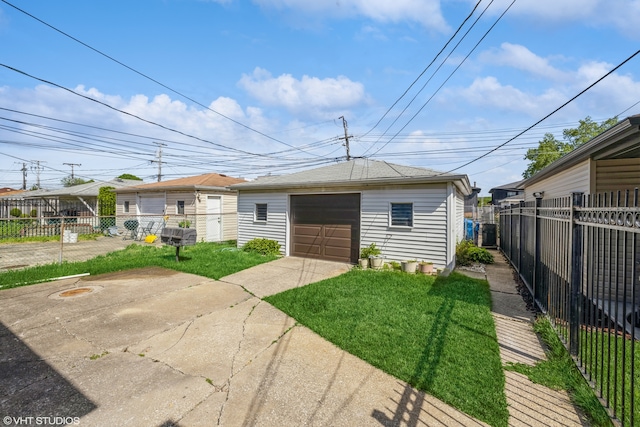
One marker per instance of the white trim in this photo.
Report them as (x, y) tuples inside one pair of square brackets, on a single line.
[(451, 232)]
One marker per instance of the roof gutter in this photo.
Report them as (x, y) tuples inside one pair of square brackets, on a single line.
[(462, 182), (611, 135)]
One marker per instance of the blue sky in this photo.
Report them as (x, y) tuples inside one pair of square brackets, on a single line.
[(248, 88)]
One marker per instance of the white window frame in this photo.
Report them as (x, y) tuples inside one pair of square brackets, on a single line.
[(256, 213), (391, 219), (178, 207), (125, 206)]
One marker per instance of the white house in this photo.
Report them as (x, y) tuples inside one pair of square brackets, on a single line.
[(205, 201), (332, 212)]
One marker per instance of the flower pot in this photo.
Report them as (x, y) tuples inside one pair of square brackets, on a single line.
[(364, 263), (409, 266), (376, 263), (426, 268)]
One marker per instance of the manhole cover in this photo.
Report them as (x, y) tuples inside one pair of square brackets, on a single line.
[(75, 292)]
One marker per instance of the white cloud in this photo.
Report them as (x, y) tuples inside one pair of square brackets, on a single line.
[(424, 12), (623, 15), (489, 92), (519, 57), (309, 96)]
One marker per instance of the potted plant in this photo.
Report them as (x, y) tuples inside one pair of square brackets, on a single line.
[(409, 266), (372, 253), (426, 267), (184, 224)]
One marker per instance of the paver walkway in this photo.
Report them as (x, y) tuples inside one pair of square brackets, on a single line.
[(530, 404)]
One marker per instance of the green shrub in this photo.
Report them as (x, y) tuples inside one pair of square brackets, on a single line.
[(370, 250), (15, 212), (262, 246), (33, 213), (467, 253)]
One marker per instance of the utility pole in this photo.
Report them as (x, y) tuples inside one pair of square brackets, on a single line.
[(37, 168), (160, 145), (72, 165), (346, 137), (24, 175)]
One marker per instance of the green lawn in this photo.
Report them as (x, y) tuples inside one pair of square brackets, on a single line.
[(602, 352), (214, 260), (437, 335)]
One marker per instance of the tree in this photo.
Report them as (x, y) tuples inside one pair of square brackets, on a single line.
[(68, 181), (129, 176), (550, 149)]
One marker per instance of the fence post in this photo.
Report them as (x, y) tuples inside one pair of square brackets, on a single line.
[(576, 276), (520, 235), (536, 245)]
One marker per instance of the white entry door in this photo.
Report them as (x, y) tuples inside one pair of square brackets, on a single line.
[(214, 219)]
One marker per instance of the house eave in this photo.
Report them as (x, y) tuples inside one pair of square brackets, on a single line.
[(461, 181), (207, 188), (598, 147)]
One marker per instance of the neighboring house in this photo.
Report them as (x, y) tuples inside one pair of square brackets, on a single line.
[(332, 212), (608, 162), (507, 194), (75, 201), (471, 203), (204, 200)]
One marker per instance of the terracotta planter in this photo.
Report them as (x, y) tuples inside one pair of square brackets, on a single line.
[(426, 268), (409, 266), (364, 263)]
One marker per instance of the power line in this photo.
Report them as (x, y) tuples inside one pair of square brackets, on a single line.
[(550, 114), (431, 77), (450, 75), (425, 69), (150, 78)]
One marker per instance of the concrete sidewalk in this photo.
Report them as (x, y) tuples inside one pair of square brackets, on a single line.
[(530, 404)]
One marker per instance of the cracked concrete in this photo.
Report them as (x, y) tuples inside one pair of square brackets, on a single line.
[(156, 347)]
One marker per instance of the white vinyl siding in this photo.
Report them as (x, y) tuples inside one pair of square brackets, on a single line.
[(426, 240), (459, 217), (275, 228), (574, 179), (125, 197)]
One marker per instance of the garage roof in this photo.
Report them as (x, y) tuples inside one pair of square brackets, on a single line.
[(356, 172), (208, 181)]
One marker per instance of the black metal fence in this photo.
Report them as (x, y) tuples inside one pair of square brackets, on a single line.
[(579, 256)]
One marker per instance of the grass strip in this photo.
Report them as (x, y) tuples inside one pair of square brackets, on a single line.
[(213, 260), (559, 372), (436, 334)]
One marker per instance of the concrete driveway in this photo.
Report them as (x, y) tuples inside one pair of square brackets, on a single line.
[(155, 347)]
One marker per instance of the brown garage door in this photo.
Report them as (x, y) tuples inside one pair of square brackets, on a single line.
[(326, 226)]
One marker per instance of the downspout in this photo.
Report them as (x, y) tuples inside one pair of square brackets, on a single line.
[(451, 228)]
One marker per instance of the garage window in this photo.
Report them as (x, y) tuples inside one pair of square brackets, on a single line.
[(126, 207), (401, 214), (260, 213), (180, 207)]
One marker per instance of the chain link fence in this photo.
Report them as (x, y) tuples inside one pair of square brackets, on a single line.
[(30, 241)]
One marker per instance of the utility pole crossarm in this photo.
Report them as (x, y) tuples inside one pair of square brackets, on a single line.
[(72, 170)]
